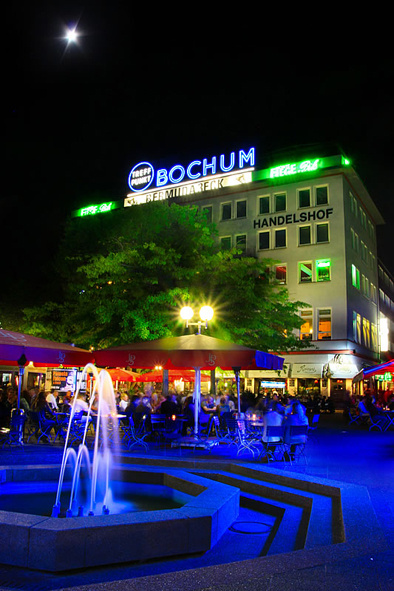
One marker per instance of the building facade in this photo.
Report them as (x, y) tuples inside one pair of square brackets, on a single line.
[(316, 219)]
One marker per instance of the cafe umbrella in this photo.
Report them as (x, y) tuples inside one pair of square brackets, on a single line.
[(196, 351)]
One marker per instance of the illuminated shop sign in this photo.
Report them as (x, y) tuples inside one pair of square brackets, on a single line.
[(291, 169), (95, 209), (143, 175), (294, 218), (191, 188), (386, 377)]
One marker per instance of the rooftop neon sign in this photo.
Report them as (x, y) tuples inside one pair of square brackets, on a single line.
[(95, 209), (143, 175), (292, 169)]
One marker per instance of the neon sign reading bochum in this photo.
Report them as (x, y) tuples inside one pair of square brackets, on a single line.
[(142, 175)]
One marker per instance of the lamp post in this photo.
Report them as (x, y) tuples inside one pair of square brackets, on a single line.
[(206, 314)]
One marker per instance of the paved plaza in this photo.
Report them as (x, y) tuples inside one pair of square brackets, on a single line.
[(358, 461)]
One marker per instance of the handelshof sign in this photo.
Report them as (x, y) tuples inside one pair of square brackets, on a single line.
[(148, 184)]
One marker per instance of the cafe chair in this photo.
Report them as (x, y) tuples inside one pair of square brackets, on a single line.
[(134, 437), (14, 434), (40, 427), (244, 442), (295, 439), (273, 443)]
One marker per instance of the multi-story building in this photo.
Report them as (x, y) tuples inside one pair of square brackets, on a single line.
[(315, 217)]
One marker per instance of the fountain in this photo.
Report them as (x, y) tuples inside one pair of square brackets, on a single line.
[(95, 533), (106, 441)]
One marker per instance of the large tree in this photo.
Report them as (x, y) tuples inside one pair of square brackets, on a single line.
[(125, 277)]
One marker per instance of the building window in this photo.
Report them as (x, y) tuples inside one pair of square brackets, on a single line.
[(321, 195), (323, 270), (367, 333), (207, 211), (241, 209), (264, 240), (305, 272), (306, 330), (355, 277), (321, 233), (304, 235), (374, 337), (240, 242), (355, 240), (280, 238), (356, 327), (264, 204), (280, 202), (225, 243), (226, 211), (304, 198), (324, 325), (281, 274)]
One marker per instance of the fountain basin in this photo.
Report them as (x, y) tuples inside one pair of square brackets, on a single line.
[(53, 544)]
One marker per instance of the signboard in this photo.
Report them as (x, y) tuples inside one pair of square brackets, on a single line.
[(95, 209), (143, 174), (300, 168), (190, 188), (64, 379)]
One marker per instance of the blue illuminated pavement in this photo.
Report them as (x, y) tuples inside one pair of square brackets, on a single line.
[(337, 452)]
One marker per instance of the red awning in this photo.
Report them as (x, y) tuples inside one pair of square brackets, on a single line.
[(41, 351), (187, 352)]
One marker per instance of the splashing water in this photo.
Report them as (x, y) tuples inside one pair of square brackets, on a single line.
[(96, 472)]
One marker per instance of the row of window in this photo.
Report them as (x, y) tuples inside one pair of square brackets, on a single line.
[(270, 239), (359, 213), (365, 332), (269, 204), (362, 249), (363, 284)]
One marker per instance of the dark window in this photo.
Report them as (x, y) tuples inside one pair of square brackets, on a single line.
[(225, 243), (264, 204), (280, 238), (241, 209), (264, 240), (322, 233), (208, 213), (304, 198), (305, 235), (226, 211), (240, 242), (280, 202), (321, 195)]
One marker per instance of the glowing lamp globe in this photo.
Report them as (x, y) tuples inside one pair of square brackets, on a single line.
[(206, 313), (187, 313)]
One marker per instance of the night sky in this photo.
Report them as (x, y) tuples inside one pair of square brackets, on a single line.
[(170, 87)]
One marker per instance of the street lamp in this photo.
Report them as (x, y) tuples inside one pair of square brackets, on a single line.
[(206, 314)]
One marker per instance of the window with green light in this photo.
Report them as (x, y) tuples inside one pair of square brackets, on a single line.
[(323, 270), (355, 277)]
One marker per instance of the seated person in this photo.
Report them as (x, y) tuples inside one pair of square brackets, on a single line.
[(208, 406), (297, 417), (271, 418)]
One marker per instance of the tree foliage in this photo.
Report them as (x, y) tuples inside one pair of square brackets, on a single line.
[(125, 277)]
